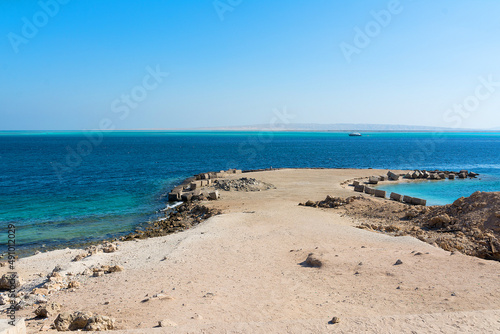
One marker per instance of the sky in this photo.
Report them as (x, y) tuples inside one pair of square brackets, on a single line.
[(121, 64)]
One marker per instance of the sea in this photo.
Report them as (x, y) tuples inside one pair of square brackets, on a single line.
[(63, 189)]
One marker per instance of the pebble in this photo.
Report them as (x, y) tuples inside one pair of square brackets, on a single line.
[(398, 262)]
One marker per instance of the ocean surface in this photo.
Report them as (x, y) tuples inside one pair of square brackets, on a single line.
[(67, 188)]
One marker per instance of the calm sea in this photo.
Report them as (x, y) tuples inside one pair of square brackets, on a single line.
[(64, 188)]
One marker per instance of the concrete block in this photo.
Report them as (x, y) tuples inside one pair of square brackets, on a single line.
[(418, 201), (373, 180), (442, 175), (214, 195), (451, 176), (462, 175), (392, 176), (359, 188), (355, 183), (380, 193), (369, 191), (174, 197), (396, 197), (381, 178), (186, 197), (407, 199)]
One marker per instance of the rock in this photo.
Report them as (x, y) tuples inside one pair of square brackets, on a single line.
[(398, 262), (80, 257), (100, 323), (73, 285), (48, 310), (310, 203), (63, 321), (472, 174), (439, 221), (335, 320), (40, 291), (4, 299), (8, 282), (197, 317), (114, 269), (167, 323), (396, 197), (109, 248), (314, 261)]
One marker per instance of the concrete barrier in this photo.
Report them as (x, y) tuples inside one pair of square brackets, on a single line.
[(451, 176), (392, 176), (380, 193), (186, 197), (418, 201), (359, 188), (373, 180), (214, 195), (462, 175), (396, 197), (355, 183), (174, 197), (369, 191), (407, 199), (381, 178)]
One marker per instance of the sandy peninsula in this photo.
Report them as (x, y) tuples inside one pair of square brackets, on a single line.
[(244, 271)]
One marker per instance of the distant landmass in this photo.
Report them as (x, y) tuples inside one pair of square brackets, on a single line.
[(338, 127)]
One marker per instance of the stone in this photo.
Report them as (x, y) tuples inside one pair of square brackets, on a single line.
[(167, 323), (8, 282), (392, 176), (73, 285), (109, 248), (359, 188), (314, 261), (47, 310), (398, 262), (380, 193), (396, 197), (439, 221), (415, 175), (369, 191), (335, 320), (100, 323), (407, 199), (373, 180), (40, 291), (472, 174), (114, 269)]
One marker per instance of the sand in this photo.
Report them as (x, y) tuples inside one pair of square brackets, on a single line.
[(243, 272)]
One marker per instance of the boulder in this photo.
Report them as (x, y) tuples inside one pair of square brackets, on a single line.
[(462, 175), (396, 197), (439, 221), (373, 180), (472, 174), (8, 282), (425, 174), (415, 175), (359, 188), (380, 193), (407, 199), (48, 310)]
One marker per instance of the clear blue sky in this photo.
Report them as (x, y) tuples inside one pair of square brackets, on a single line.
[(233, 62)]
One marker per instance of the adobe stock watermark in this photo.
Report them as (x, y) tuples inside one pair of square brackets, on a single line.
[(363, 36), (122, 107), (254, 145), (454, 118), (31, 26), (223, 6)]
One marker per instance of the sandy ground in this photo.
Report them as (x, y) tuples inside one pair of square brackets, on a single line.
[(243, 272)]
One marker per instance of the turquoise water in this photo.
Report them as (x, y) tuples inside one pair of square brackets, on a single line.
[(62, 188)]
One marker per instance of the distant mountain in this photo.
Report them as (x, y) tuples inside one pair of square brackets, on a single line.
[(335, 127)]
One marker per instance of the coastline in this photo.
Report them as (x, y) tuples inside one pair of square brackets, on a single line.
[(242, 270)]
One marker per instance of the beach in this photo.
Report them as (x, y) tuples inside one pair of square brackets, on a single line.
[(244, 271)]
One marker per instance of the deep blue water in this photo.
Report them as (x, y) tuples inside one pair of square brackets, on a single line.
[(62, 188)]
